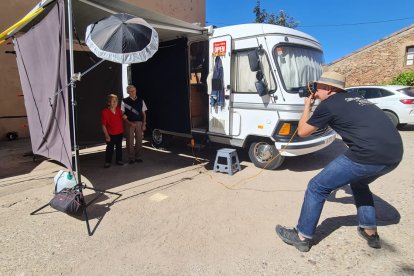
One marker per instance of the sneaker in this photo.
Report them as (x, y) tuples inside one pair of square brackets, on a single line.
[(107, 165), (373, 240), (138, 160), (131, 161), (291, 236), (119, 163)]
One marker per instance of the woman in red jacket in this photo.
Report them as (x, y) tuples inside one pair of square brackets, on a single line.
[(112, 127)]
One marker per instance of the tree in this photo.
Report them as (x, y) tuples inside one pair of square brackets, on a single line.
[(282, 18), (261, 14), (406, 78)]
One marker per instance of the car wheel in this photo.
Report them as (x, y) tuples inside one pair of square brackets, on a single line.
[(159, 140), (393, 118), (261, 154)]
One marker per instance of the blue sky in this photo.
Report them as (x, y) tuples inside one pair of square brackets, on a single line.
[(317, 17)]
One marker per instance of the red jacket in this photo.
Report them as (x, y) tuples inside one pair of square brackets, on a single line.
[(113, 122)]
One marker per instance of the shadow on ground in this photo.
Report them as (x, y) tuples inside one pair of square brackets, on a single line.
[(177, 155), (386, 215), (17, 158), (155, 164)]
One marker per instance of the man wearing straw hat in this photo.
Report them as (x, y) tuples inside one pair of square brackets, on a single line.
[(374, 149)]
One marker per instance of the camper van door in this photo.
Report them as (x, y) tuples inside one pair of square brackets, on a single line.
[(219, 111)]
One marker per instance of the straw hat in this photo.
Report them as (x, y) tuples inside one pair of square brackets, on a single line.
[(333, 79)]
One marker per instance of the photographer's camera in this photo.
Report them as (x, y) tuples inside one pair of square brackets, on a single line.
[(306, 91)]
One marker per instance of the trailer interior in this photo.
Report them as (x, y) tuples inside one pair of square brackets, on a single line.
[(173, 85)]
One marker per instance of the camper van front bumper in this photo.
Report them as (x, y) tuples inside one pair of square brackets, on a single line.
[(308, 146)]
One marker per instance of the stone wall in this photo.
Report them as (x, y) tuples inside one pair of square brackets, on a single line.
[(377, 63)]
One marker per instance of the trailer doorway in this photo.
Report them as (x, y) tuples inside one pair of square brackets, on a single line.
[(162, 82), (199, 100)]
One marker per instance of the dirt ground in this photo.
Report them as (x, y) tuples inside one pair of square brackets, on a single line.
[(176, 218)]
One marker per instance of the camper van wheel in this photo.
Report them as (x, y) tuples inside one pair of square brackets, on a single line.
[(261, 154), (159, 140)]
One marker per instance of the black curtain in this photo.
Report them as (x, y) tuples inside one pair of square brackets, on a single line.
[(91, 94), (163, 83)]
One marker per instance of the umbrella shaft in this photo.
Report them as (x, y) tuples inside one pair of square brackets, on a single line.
[(93, 67)]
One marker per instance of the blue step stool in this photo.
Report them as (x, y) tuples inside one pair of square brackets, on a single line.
[(227, 161)]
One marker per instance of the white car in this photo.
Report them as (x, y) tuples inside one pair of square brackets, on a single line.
[(397, 101)]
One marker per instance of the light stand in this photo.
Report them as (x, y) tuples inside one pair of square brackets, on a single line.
[(81, 186), (76, 77)]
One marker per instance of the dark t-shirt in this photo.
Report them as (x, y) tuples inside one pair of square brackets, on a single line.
[(365, 129)]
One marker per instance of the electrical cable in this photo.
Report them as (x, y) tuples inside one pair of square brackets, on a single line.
[(312, 93), (332, 25), (358, 23), (233, 187)]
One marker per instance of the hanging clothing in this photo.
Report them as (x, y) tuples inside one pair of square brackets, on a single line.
[(217, 92)]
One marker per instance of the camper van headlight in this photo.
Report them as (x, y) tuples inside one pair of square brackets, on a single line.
[(284, 129)]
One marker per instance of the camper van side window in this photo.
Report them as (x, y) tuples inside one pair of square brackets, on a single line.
[(243, 79)]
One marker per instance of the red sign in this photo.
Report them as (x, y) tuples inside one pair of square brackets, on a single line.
[(279, 51), (219, 48)]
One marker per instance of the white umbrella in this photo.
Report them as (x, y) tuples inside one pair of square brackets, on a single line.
[(122, 38)]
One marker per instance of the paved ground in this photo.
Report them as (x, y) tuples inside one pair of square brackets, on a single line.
[(176, 218)]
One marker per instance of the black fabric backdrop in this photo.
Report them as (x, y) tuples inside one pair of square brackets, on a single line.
[(163, 83), (91, 94)]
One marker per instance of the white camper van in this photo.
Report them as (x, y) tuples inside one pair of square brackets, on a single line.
[(237, 86)]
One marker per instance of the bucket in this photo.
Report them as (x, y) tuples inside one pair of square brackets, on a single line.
[(64, 179)]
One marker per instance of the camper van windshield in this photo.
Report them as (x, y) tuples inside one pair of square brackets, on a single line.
[(298, 65)]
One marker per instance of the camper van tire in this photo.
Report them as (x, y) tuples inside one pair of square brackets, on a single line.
[(159, 140), (261, 152)]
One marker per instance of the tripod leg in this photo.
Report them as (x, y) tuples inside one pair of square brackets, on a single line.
[(101, 191), (85, 214), (37, 210)]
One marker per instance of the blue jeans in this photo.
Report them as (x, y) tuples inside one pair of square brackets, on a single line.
[(338, 173)]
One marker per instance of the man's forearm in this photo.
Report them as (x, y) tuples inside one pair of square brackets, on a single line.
[(304, 118), (305, 129)]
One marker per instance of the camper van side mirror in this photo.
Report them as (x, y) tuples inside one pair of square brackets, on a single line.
[(261, 88), (254, 60)]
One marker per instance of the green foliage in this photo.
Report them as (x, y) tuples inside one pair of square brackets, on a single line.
[(282, 18), (406, 78), (261, 14)]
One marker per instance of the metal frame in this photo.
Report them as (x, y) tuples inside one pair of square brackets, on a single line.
[(76, 77)]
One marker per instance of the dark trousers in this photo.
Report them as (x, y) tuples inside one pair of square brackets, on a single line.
[(116, 141)]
